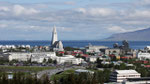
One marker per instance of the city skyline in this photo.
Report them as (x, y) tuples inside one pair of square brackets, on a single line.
[(74, 19)]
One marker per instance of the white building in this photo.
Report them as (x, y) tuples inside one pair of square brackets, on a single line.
[(83, 71), (142, 80), (92, 58), (143, 55), (19, 56), (121, 75), (90, 48), (39, 57), (147, 48), (67, 59)]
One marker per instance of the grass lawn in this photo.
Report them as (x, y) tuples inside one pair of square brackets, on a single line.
[(24, 68), (63, 74)]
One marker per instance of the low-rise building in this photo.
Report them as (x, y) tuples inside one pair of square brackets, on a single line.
[(143, 55), (67, 59), (91, 48), (92, 58), (142, 80), (4, 56), (19, 56), (147, 48), (121, 75), (109, 51), (83, 71), (40, 56)]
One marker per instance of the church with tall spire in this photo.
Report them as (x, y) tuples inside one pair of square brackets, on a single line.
[(56, 45), (54, 36)]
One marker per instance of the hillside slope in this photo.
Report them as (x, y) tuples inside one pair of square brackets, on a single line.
[(140, 35)]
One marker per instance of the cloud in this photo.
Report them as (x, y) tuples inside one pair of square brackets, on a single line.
[(18, 10), (117, 29), (143, 2), (101, 11), (64, 29), (3, 25), (69, 3), (140, 13), (135, 22), (97, 11), (73, 20), (81, 10), (2, 8)]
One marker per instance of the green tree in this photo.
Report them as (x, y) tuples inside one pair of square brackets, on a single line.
[(122, 66), (44, 60), (50, 60), (55, 61)]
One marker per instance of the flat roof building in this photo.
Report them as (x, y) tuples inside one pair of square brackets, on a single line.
[(121, 75), (92, 48), (83, 71)]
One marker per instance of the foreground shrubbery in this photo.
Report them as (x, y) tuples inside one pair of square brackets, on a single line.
[(22, 78), (99, 77)]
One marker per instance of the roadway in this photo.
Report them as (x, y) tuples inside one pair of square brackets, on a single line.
[(51, 72)]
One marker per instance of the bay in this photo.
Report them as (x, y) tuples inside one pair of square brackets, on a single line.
[(78, 43)]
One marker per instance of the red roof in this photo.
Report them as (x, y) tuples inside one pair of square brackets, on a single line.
[(112, 55), (125, 57), (85, 55), (61, 52), (73, 54), (148, 66), (145, 62)]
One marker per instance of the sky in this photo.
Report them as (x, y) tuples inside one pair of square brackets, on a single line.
[(74, 19)]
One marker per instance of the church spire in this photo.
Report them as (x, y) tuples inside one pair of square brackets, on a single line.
[(54, 35)]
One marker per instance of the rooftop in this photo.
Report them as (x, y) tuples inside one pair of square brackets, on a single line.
[(82, 70), (127, 72)]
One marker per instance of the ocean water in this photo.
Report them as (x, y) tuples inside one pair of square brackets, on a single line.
[(79, 44)]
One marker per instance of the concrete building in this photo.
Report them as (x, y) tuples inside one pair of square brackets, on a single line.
[(39, 57), (143, 55), (109, 51), (90, 48), (19, 56), (4, 56), (142, 80), (55, 44), (147, 48), (92, 58), (67, 59), (121, 75), (83, 71)]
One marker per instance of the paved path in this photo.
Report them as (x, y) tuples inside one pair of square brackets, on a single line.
[(51, 72)]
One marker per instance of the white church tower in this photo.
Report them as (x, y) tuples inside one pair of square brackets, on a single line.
[(55, 44), (54, 36)]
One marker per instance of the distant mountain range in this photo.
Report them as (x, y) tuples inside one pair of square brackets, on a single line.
[(139, 35)]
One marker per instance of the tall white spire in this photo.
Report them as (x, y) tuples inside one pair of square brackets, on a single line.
[(54, 35)]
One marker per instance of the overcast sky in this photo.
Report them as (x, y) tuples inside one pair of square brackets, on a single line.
[(74, 19)]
